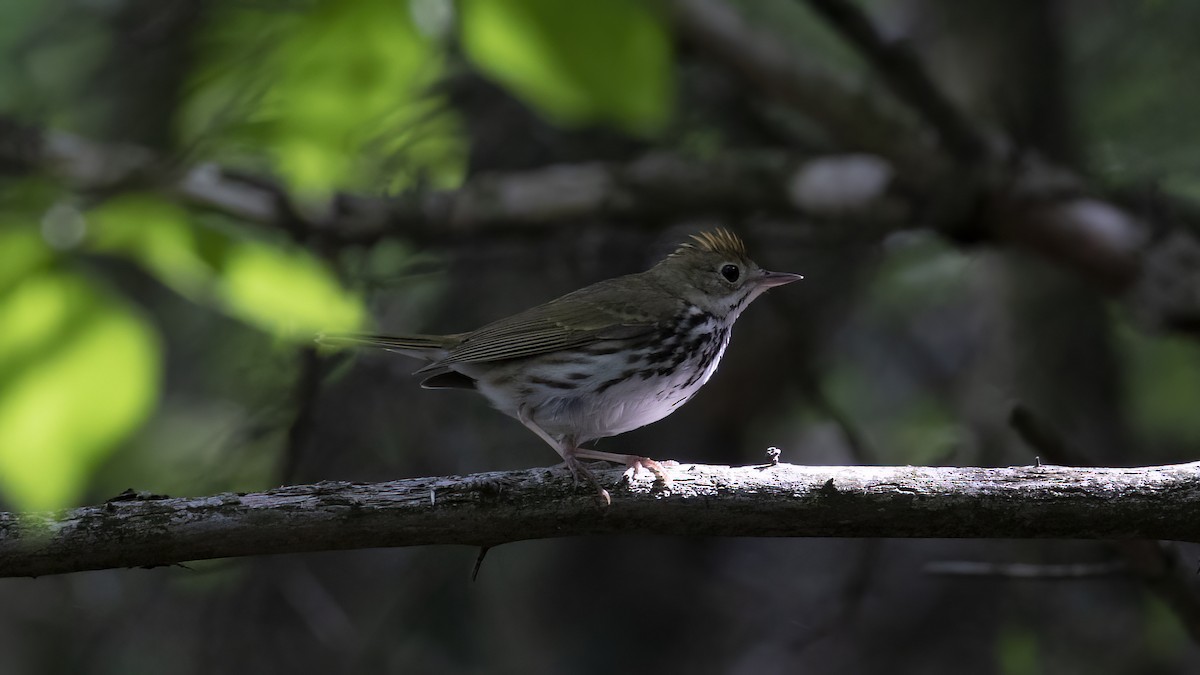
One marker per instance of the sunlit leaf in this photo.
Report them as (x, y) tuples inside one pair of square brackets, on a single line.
[(338, 95), (159, 235), (276, 287), (79, 371), (286, 292), (578, 62)]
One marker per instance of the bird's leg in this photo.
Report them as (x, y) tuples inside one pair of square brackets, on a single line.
[(578, 469), (634, 463), (569, 451)]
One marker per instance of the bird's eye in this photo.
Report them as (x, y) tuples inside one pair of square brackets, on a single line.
[(731, 273)]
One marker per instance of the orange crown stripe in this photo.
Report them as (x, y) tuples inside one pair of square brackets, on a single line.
[(719, 240)]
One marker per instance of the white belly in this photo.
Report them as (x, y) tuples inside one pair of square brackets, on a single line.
[(631, 404), (602, 395)]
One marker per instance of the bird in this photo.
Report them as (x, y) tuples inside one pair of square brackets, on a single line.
[(605, 359)]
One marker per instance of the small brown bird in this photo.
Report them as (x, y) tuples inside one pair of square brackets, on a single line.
[(605, 359)]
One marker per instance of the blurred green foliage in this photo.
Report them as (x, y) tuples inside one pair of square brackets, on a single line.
[(338, 95), (921, 430), (279, 288), (1163, 386), (79, 367), (1164, 634), (916, 286), (1135, 84), (577, 62), (327, 95), (1017, 652), (921, 273), (79, 371)]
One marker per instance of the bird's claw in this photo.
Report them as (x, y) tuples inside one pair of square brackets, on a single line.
[(578, 469), (636, 465)]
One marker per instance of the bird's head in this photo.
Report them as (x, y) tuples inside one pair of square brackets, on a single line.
[(714, 273)]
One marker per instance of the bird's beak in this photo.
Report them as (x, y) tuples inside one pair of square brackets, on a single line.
[(772, 279)]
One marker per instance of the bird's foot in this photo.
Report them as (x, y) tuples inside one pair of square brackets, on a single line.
[(578, 470), (636, 465)]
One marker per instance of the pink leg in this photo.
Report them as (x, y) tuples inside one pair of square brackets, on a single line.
[(634, 463), (567, 449)]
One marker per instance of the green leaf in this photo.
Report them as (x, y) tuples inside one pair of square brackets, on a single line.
[(277, 287), (79, 372), (286, 292), (337, 95), (160, 235), (578, 62)]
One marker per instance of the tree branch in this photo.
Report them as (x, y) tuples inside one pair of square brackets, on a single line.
[(857, 117), (842, 188), (906, 77), (1038, 207), (656, 184), (1019, 199), (489, 509)]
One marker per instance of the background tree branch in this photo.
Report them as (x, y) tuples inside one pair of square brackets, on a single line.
[(1039, 207), (902, 71), (489, 509)]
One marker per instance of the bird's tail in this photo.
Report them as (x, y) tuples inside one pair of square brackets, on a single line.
[(425, 347)]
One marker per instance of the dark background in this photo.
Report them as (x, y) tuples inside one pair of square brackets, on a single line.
[(153, 342)]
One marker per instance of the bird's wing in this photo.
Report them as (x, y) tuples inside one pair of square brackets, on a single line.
[(397, 342), (590, 315)]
